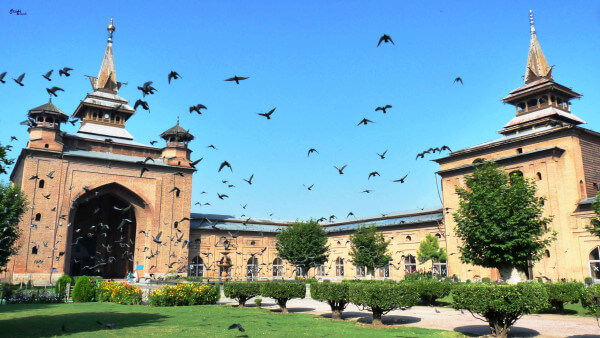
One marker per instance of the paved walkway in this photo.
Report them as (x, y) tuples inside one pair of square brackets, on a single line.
[(449, 319)]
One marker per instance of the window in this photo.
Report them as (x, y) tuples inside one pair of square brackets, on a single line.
[(34, 250), (410, 264), (594, 264), (277, 268), (438, 235), (197, 267), (38, 217), (547, 253), (320, 270), (176, 224), (539, 176), (41, 184), (177, 192), (46, 145), (300, 272), (253, 243), (519, 150), (339, 267), (361, 271), (440, 269), (252, 269), (408, 238), (383, 272)]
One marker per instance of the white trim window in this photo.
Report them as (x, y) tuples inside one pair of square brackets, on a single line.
[(339, 267), (410, 264), (277, 268), (361, 271), (320, 270), (197, 267), (383, 272), (252, 269)]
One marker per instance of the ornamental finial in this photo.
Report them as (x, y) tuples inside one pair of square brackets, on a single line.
[(531, 21), (111, 29)]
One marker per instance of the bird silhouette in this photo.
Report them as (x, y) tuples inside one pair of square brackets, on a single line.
[(341, 170), (147, 88), (268, 114), (364, 121), (47, 75), (309, 187), (401, 180), (65, 71), (237, 79), (384, 108), (196, 108), (237, 326), (311, 150), (53, 90), (458, 79), (173, 75), (211, 146), (225, 164), (19, 80), (445, 148), (142, 103), (382, 155), (367, 191), (193, 164), (249, 181), (143, 170), (373, 174), (176, 190), (153, 142), (222, 196), (2, 77), (385, 38)]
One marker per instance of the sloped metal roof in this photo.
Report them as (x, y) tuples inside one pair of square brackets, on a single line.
[(103, 130), (112, 157), (49, 108)]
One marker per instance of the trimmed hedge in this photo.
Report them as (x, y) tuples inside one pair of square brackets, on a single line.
[(335, 294), (241, 291), (185, 294), (500, 305), (282, 292), (590, 299), (430, 289), (83, 290), (61, 285), (563, 292), (382, 297)]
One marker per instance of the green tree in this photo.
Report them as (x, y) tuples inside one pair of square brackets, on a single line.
[(429, 249), (369, 248), (12, 206), (594, 226), (303, 244), (4, 162), (500, 221)]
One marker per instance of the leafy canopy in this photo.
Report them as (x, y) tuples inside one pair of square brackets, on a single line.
[(12, 206), (303, 244), (429, 249), (499, 219), (4, 162), (369, 248), (594, 226)]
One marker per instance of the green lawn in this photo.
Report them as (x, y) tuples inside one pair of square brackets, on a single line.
[(208, 320)]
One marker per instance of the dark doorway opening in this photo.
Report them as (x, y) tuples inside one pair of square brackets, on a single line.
[(103, 238)]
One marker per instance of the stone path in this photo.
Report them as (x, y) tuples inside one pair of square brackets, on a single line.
[(545, 325)]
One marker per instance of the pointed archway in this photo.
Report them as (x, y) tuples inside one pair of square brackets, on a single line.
[(103, 231)]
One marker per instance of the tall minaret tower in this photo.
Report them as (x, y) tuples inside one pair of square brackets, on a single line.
[(103, 112)]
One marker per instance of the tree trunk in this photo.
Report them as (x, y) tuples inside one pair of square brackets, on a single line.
[(336, 314), (282, 304), (498, 330), (377, 317), (558, 305), (511, 274)]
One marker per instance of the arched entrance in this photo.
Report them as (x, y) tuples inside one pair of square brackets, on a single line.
[(102, 233)]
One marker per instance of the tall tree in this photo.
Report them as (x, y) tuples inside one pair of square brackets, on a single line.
[(500, 221), (4, 162), (594, 226), (303, 244), (12, 206), (369, 248), (429, 249)]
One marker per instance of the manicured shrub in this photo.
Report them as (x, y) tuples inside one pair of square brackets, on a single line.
[(430, 290), (120, 293), (501, 305), (383, 297), (335, 294), (185, 294), (589, 281), (590, 299), (61, 285), (563, 292), (486, 280), (282, 292), (241, 291), (83, 290), (258, 302)]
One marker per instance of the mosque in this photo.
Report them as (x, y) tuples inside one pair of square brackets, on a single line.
[(103, 204)]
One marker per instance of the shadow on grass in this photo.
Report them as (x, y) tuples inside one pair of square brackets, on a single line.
[(295, 309), (480, 330), (51, 325), (366, 318), (12, 308)]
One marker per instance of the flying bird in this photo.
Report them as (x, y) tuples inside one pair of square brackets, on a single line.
[(382, 155), (143, 170), (222, 196), (341, 170), (373, 174), (401, 180), (177, 190), (311, 150), (19, 80), (458, 79), (193, 164), (364, 121), (197, 108), (445, 148), (47, 75), (268, 115), (384, 108), (65, 71), (309, 187), (147, 88), (385, 38), (237, 326), (157, 238), (173, 75), (225, 164), (211, 146), (237, 79), (2, 77), (50, 175), (13, 138), (249, 181), (367, 191), (53, 90), (142, 103), (153, 142)]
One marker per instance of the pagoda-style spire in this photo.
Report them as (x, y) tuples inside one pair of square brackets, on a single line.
[(537, 66), (107, 77)]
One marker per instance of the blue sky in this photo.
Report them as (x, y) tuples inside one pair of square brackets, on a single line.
[(318, 63)]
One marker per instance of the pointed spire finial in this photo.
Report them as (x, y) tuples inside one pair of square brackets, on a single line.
[(111, 29), (177, 119), (531, 21)]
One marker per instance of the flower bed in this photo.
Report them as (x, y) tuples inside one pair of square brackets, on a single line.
[(185, 294), (120, 293), (32, 297)]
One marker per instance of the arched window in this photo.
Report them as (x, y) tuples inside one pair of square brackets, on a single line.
[(438, 235), (34, 250), (361, 271), (252, 243), (38, 217), (594, 264), (410, 264), (252, 269), (539, 176), (514, 174), (177, 192), (581, 189), (408, 238), (197, 267), (277, 268), (39, 119), (339, 267), (41, 184), (547, 253)]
